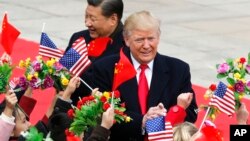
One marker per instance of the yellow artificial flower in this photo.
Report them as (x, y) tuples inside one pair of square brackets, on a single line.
[(206, 96), (127, 119), (50, 71), (237, 60), (213, 116), (240, 66), (29, 77), (49, 63), (38, 57), (27, 62), (53, 60), (21, 64), (36, 74), (106, 94), (65, 81), (241, 96), (237, 76), (243, 80)]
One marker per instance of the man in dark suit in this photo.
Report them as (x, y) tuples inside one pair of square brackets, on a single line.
[(103, 19), (166, 77)]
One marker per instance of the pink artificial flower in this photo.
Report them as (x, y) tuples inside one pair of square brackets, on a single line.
[(223, 68), (48, 82), (23, 83), (239, 87), (58, 66), (248, 85), (37, 66), (248, 68)]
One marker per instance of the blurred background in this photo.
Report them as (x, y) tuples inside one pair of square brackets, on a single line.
[(201, 32)]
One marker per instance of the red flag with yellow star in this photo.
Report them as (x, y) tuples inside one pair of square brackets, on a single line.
[(9, 35), (97, 46), (124, 71)]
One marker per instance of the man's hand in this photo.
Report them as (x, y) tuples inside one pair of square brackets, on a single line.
[(154, 112)]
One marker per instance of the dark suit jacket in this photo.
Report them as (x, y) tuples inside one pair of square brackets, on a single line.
[(111, 49), (170, 78)]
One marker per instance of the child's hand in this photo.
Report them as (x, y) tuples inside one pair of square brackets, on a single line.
[(11, 101), (108, 118), (73, 84)]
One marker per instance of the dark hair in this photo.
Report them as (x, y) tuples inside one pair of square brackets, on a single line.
[(57, 125), (2, 107), (109, 7)]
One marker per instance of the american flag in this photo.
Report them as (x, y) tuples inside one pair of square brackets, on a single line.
[(48, 48), (76, 58), (159, 130), (223, 99)]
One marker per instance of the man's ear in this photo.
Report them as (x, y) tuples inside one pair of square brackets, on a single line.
[(126, 40), (114, 19)]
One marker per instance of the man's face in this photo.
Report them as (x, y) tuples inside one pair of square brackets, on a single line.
[(143, 45), (98, 25)]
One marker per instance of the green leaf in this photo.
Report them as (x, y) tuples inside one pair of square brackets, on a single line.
[(230, 62), (248, 60), (221, 75), (5, 73), (217, 65), (230, 81)]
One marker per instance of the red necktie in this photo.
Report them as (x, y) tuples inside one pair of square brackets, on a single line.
[(143, 89)]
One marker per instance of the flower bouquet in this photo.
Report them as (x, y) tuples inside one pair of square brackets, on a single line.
[(5, 71), (34, 135), (236, 73), (41, 74), (89, 111)]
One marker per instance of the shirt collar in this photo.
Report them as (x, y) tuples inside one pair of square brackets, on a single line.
[(137, 64)]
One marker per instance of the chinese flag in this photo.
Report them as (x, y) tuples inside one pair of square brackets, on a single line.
[(9, 35), (97, 46), (210, 133), (124, 71)]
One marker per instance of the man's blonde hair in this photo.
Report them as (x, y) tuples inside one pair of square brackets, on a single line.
[(142, 20)]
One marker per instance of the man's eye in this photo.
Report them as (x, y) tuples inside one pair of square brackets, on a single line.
[(139, 40), (151, 38)]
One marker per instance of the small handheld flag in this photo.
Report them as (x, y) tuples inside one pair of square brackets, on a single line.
[(48, 48), (159, 130), (223, 99), (124, 71), (9, 35)]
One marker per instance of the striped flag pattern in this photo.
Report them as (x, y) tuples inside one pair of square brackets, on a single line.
[(159, 130), (76, 58), (223, 99), (48, 48)]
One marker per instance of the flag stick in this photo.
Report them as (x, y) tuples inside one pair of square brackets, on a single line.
[(204, 119), (86, 84), (112, 99), (43, 27)]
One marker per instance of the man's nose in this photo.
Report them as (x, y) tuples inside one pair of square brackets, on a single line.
[(88, 22)]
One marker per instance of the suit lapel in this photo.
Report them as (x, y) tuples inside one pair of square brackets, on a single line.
[(159, 82)]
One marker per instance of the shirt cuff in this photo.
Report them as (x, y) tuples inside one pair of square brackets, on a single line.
[(7, 119), (69, 101)]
